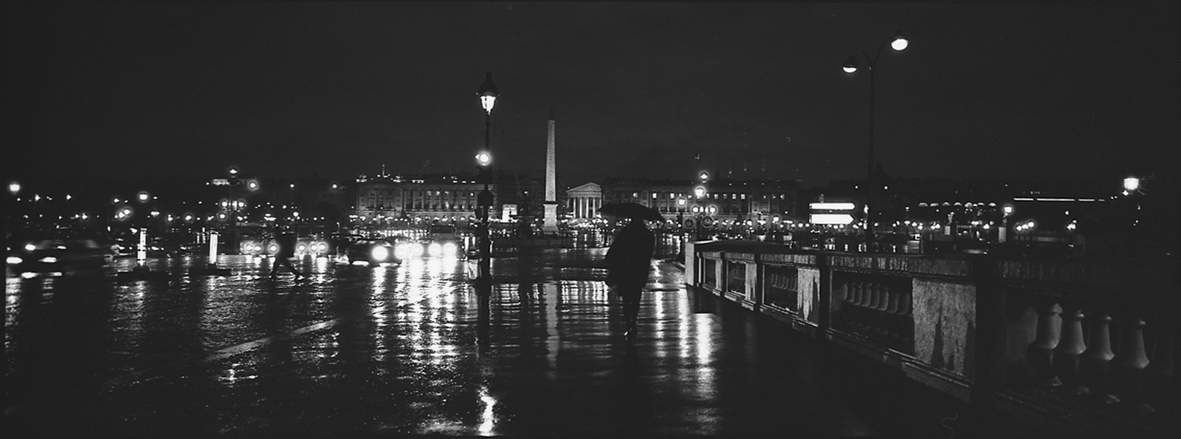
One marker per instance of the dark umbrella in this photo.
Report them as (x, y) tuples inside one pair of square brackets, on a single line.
[(631, 210)]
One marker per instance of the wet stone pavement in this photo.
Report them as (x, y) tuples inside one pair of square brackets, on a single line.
[(396, 350)]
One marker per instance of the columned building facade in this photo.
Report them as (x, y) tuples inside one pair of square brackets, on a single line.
[(432, 197), (730, 199), (584, 201)]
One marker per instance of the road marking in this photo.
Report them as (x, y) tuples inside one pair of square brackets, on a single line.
[(251, 345)]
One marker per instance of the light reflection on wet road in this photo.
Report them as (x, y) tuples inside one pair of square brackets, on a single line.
[(399, 350)]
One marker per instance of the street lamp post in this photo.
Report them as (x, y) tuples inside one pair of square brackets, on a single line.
[(898, 42), (699, 193), (488, 94)]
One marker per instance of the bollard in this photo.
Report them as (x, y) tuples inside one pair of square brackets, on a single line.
[(212, 261), (141, 253), (1041, 351), (141, 270), (211, 268)]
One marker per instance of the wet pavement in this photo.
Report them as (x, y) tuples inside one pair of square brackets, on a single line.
[(395, 350)]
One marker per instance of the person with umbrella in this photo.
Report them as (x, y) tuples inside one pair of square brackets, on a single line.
[(630, 257)]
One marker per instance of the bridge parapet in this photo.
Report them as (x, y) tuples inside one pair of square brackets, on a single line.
[(1090, 337)]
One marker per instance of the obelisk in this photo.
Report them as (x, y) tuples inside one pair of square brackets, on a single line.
[(550, 226)]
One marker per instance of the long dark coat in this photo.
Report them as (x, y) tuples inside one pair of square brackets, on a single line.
[(630, 258)]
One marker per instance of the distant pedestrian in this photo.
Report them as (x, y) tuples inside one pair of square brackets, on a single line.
[(286, 241), (628, 262)]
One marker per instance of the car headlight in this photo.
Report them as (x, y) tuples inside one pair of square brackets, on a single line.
[(380, 253), (49, 260), (302, 248), (273, 248), (450, 249), (402, 250), (14, 260), (435, 249), (415, 249)]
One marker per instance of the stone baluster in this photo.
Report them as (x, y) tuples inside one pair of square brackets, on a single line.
[(875, 295), (1129, 364), (1070, 347), (883, 320), (1159, 372), (1096, 360), (862, 301), (883, 292), (905, 308), (893, 321), (849, 307), (1041, 351), (871, 303), (894, 295)]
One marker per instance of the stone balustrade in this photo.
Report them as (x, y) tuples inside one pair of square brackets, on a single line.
[(1092, 339)]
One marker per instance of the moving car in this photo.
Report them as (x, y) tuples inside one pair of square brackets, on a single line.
[(58, 255), (371, 251), (442, 240)]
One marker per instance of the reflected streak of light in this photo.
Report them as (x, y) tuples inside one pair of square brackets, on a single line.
[(488, 419), (661, 351), (12, 303), (552, 343), (449, 264), (378, 279), (233, 374), (434, 267), (703, 329), (683, 329), (704, 338)]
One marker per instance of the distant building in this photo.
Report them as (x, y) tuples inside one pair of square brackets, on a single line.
[(583, 201), (731, 200), (434, 197)]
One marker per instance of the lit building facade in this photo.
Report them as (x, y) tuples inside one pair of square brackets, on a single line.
[(433, 197), (732, 200), (584, 201)]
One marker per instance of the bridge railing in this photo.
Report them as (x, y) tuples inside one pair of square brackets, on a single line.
[(1092, 338)]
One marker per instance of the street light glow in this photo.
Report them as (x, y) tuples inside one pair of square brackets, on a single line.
[(488, 93), (484, 158), (900, 42), (14, 187), (850, 64), (1131, 184)]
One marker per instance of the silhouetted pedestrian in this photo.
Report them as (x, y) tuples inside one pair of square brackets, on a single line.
[(628, 262), (286, 241)]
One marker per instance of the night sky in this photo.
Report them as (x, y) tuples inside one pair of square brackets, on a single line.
[(756, 90)]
